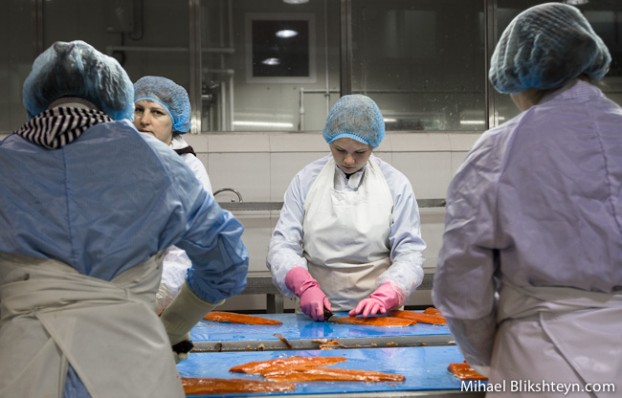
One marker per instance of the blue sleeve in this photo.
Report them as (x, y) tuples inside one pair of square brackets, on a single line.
[(211, 237), (219, 258)]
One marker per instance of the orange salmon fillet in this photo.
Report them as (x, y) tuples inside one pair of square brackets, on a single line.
[(332, 374), (385, 321), (420, 317), (280, 364), (464, 371), (230, 317), (224, 386)]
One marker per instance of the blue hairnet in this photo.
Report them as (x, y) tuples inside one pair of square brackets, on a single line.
[(546, 46), (356, 117), (170, 95), (76, 69)]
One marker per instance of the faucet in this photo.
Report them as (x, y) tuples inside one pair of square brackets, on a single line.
[(238, 194)]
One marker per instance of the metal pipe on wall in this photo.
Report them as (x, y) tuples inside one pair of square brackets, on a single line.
[(195, 65)]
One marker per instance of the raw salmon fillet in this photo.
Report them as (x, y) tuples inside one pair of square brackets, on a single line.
[(332, 374), (430, 318), (203, 385), (464, 371), (290, 363), (385, 321), (230, 317)]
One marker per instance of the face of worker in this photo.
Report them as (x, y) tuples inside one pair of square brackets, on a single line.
[(350, 155), (151, 117)]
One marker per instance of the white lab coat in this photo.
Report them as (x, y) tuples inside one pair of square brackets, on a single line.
[(346, 234), (536, 205), (176, 262), (53, 316), (286, 249)]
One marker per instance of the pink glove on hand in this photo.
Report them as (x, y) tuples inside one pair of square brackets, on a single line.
[(385, 298), (312, 298)]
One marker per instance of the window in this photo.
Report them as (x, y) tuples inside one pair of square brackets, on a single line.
[(423, 61)]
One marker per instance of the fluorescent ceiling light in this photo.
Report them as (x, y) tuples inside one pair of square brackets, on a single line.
[(263, 124), (472, 122), (271, 61), (286, 33), (295, 1)]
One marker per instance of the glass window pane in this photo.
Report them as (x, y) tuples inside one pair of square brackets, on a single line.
[(16, 57), (146, 37), (422, 61), (268, 65)]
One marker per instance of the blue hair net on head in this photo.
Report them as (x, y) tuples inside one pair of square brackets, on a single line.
[(356, 117), (170, 95), (546, 46), (76, 69)]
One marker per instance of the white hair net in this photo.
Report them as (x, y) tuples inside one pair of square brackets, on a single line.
[(76, 69), (356, 117), (546, 46), (170, 95)]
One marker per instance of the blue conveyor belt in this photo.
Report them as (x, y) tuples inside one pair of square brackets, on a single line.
[(304, 333), (425, 369)]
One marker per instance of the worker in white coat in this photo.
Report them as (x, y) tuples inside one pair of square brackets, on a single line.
[(348, 237), (162, 108), (530, 270), (88, 206)]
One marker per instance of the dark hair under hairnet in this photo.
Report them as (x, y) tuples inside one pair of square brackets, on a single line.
[(76, 69), (546, 46)]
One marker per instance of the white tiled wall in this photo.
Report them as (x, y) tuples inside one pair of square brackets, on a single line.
[(261, 165)]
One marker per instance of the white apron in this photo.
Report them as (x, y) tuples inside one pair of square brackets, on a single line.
[(51, 315), (346, 235), (557, 335)]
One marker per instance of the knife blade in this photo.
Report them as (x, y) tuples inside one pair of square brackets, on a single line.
[(327, 314)]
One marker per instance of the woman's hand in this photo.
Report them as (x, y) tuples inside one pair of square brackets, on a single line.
[(312, 298), (383, 299)]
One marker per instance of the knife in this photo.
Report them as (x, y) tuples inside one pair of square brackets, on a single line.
[(327, 314)]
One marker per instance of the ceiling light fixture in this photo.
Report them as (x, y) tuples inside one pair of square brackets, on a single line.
[(286, 33), (271, 61)]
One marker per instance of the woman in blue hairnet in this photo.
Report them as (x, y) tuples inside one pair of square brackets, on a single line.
[(348, 236), (88, 206), (162, 108), (530, 270)]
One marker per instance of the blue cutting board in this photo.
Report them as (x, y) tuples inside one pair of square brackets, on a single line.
[(298, 328), (425, 368)]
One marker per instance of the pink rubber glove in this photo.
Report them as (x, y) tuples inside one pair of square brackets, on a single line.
[(312, 298), (383, 299)]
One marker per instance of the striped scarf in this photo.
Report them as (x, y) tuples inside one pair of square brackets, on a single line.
[(59, 126)]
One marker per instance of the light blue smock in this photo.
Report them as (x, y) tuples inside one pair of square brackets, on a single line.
[(286, 251), (537, 202), (109, 201)]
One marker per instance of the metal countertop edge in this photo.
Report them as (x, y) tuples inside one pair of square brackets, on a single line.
[(257, 206), (314, 344)]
